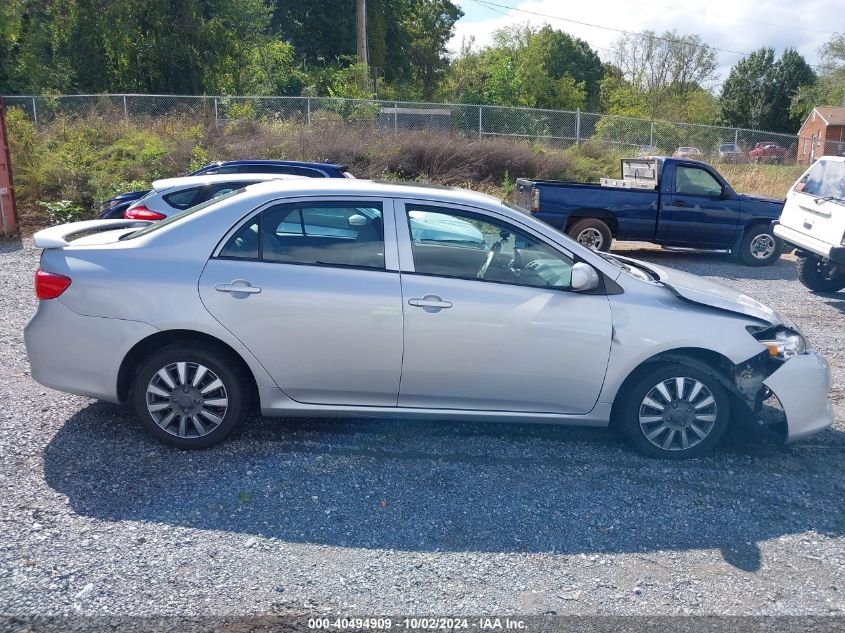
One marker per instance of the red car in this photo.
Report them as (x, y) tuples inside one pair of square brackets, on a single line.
[(767, 152)]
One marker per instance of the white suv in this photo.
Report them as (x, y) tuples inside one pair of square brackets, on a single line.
[(813, 220)]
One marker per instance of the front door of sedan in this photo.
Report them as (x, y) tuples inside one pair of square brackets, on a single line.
[(491, 324), (313, 290)]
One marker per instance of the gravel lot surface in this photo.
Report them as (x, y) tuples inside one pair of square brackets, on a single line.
[(360, 516)]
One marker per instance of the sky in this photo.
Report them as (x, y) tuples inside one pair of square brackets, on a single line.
[(734, 25)]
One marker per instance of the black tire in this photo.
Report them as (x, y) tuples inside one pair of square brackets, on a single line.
[(235, 390), (582, 230), (813, 273), (749, 247), (627, 413)]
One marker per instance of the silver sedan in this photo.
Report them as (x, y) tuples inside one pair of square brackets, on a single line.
[(306, 297)]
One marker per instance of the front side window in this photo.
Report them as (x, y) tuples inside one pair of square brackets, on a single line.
[(452, 243), (694, 181), (337, 234)]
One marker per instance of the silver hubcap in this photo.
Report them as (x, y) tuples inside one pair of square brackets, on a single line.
[(762, 246), (187, 399), (591, 238), (678, 413)]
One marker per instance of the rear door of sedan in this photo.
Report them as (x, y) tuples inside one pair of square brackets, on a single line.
[(312, 288), (494, 326)]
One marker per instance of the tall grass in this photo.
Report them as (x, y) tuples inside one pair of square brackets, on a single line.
[(86, 160)]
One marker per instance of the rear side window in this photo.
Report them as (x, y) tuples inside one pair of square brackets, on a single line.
[(182, 199), (825, 179), (336, 234)]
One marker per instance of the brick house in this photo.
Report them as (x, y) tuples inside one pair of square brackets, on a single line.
[(823, 133)]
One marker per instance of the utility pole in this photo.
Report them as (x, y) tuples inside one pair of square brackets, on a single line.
[(361, 24)]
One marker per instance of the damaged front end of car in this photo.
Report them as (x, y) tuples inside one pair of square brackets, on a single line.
[(782, 391)]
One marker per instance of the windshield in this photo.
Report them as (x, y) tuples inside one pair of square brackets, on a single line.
[(825, 179), (155, 226)]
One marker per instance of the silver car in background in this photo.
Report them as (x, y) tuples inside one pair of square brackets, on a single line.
[(306, 297), (172, 195)]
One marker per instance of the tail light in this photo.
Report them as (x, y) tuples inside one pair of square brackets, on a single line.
[(142, 213), (50, 285), (535, 199)]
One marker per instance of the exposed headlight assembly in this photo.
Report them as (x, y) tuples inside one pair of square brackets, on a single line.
[(781, 343)]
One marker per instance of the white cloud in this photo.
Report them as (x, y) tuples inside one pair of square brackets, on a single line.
[(736, 25)]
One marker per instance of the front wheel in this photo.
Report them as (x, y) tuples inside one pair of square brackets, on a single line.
[(820, 276), (592, 233), (673, 412), (189, 397), (759, 246)]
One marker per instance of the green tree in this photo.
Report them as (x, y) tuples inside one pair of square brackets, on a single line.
[(526, 66), (759, 89), (829, 88)]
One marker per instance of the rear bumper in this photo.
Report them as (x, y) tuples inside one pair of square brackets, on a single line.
[(801, 385), (810, 244), (79, 354)]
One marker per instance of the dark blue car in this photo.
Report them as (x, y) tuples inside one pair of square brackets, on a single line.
[(114, 207)]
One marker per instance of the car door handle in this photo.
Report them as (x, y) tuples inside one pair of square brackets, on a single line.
[(238, 285), (430, 301), (680, 203)]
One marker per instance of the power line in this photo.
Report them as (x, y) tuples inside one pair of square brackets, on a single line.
[(490, 5)]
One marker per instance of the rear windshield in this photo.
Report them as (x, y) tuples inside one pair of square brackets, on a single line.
[(155, 226), (825, 179)]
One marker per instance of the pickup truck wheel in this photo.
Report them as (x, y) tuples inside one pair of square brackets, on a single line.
[(759, 246), (819, 276), (592, 233)]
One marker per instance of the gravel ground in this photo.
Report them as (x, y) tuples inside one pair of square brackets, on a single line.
[(360, 516)]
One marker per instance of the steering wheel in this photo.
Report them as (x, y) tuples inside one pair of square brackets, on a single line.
[(494, 250)]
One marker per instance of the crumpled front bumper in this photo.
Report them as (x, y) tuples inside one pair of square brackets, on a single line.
[(801, 385)]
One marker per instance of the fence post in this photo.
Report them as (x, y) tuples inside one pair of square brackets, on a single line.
[(125, 110), (395, 118), (215, 112), (651, 133), (479, 121), (577, 127), (308, 108), (736, 136), (34, 114)]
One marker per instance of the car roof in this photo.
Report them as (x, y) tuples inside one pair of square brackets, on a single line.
[(213, 179), (375, 188)]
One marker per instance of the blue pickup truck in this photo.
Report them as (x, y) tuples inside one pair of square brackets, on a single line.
[(667, 201)]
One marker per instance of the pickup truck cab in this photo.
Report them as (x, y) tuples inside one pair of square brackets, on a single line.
[(813, 220), (667, 201)]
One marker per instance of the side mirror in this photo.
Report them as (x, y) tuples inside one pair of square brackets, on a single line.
[(725, 194), (357, 221), (584, 278)]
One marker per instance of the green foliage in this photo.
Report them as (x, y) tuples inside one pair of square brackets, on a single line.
[(829, 89), (526, 66), (759, 90), (62, 212), (508, 185)]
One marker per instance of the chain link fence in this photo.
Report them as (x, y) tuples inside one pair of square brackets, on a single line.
[(550, 127)]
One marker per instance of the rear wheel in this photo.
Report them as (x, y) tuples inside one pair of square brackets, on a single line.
[(820, 276), (759, 246), (188, 397), (674, 412), (592, 233)]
